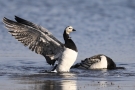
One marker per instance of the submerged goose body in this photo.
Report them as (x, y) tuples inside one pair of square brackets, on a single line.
[(96, 62), (41, 41)]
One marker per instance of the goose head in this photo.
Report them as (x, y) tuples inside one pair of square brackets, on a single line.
[(69, 29)]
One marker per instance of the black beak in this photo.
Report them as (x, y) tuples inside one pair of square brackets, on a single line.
[(74, 30)]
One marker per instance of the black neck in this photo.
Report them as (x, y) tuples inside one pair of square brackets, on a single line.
[(68, 42), (65, 36)]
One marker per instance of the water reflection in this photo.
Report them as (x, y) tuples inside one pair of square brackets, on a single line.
[(51, 81), (58, 85)]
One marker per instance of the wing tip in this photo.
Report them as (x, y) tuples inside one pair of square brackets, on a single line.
[(17, 18), (8, 23), (5, 20)]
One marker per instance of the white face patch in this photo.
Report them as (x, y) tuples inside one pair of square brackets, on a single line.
[(69, 29)]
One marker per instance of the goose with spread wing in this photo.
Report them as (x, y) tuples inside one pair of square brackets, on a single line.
[(41, 41)]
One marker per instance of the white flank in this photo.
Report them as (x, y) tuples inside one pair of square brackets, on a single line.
[(100, 65), (68, 58)]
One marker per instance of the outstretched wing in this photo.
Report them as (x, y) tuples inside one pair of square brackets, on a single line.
[(37, 38), (86, 63)]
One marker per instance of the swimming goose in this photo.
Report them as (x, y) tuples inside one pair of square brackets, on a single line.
[(99, 61), (41, 41)]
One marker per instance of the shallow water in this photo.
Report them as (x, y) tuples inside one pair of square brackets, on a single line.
[(103, 27)]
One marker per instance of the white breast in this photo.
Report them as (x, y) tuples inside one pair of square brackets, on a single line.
[(68, 58), (100, 65)]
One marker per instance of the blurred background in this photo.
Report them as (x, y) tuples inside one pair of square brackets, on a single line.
[(103, 26)]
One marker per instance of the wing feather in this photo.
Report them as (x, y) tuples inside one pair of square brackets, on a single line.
[(86, 63), (40, 28), (37, 38)]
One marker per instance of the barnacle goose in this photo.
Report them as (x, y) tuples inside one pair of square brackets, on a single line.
[(41, 41), (99, 61)]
